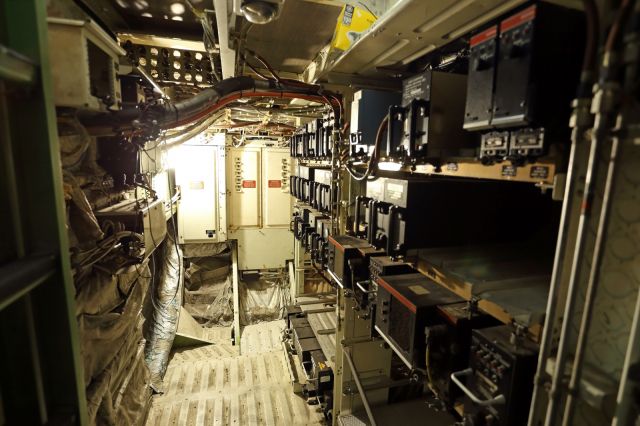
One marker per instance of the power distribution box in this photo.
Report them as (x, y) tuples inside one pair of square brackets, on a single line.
[(199, 172)]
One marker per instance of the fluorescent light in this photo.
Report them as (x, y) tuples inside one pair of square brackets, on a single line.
[(389, 166)]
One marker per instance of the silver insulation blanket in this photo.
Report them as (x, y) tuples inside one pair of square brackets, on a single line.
[(166, 299), (109, 310)]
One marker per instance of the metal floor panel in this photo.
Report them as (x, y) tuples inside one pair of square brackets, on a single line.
[(325, 321), (222, 347), (321, 323), (262, 337), (205, 388)]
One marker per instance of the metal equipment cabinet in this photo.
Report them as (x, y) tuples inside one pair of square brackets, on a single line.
[(41, 373)]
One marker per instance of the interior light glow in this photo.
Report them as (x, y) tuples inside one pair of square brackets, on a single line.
[(389, 166)]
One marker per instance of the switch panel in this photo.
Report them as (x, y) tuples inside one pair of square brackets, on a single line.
[(482, 63)]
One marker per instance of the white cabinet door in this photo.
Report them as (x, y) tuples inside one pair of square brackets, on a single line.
[(276, 206), (244, 183), (196, 175)]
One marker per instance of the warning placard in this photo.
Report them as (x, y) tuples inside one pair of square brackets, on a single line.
[(249, 184), (275, 183)]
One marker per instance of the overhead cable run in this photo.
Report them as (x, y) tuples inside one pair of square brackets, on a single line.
[(153, 119)]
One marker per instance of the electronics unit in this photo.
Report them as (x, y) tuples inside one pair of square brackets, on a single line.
[(311, 234), (480, 80), (319, 382), (405, 305), (309, 141), (361, 216), (431, 119), (381, 266), (313, 140), (145, 218), (368, 109), (377, 264), (292, 312), (320, 139), (539, 59), (84, 72), (526, 143), (523, 74), (407, 211), (296, 143), (448, 346), (301, 221), (500, 377), (342, 248), (293, 184), (321, 190), (360, 276), (328, 122), (304, 341), (379, 228), (416, 213), (320, 247), (305, 175), (319, 372), (364, 207)]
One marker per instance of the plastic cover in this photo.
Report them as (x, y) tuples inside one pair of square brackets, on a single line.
[(264, 299)]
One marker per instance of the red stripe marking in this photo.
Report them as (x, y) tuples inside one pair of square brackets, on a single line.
[(487, 34), (397, 295), (336, 244), (518, 19)]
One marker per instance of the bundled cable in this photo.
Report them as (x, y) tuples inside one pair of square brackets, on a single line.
[(155, 118)]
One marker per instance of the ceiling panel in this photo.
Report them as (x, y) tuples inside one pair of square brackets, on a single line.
[(292, 41)]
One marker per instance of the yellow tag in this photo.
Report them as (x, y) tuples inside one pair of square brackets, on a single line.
[(418, 289)]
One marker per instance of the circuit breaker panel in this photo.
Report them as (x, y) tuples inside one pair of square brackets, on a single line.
[(245, 183), (259, 205), (275, 189)]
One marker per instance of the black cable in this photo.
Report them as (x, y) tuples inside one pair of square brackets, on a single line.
[(175, 242), (615, 34), (373, 160)]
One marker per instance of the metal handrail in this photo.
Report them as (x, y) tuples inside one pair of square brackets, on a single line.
[(15, 67), (500, 399), (19, 277)]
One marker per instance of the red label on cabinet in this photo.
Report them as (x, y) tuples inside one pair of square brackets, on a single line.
[(518, 19), (488, 34), (248, 183), (277, 183)]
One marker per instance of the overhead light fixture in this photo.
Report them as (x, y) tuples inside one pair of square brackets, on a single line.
[(261, 11), (389, 166)]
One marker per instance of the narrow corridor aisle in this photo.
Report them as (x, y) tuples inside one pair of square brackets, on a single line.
[(217, 385)]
